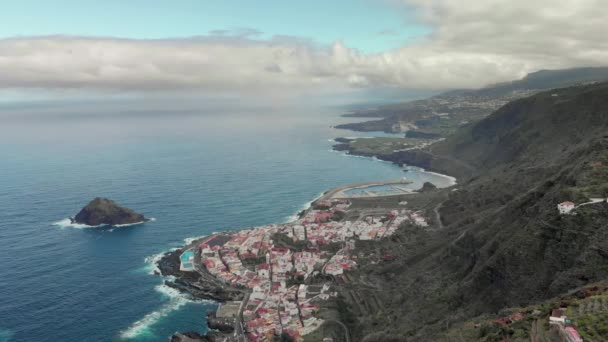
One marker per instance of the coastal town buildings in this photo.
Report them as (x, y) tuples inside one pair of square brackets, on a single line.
[(275, 274)]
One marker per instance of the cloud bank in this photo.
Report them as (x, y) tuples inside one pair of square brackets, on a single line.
[(472, 44)]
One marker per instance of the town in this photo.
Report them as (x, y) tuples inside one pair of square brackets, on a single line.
[(274, 264)]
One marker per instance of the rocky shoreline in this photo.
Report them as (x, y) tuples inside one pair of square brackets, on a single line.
[(414, 157), (198, 285)]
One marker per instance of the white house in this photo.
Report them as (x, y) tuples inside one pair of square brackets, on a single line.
[(565, 207), (557, 320)]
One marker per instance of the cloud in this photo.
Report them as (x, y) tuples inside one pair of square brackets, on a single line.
[(471, 44)]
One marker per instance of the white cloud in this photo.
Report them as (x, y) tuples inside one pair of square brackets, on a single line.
[(473, 43)]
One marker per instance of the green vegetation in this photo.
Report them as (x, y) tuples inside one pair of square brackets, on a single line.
[(282, 240), (587, 309), (590, 316), (503, 243), (381, 145)]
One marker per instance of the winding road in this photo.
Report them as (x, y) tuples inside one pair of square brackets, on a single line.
[(346, 332)]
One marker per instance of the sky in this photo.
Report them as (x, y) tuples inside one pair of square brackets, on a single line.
[(282, 49), (368, 25)]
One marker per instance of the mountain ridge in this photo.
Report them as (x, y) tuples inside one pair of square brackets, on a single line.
[(504, 243)]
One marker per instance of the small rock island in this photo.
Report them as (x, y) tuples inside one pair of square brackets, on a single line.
[(103, 211)]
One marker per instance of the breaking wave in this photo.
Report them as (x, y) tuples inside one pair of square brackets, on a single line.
[(294, 217), (151, 219), (142, 327), (152, 263), (67, 223), (190, 240)]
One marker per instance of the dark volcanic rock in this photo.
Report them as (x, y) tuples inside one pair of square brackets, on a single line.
[(197, 285), (189, 336), (341, 147), (343, 140), (224, 325), (427, 187), (102, 211)]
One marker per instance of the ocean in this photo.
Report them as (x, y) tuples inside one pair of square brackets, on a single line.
[(195, 171)]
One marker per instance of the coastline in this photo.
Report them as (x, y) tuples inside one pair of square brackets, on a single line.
[(416, 157), (203, 286), (346, 153)]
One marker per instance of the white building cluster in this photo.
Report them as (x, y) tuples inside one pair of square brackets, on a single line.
[(278, 302)]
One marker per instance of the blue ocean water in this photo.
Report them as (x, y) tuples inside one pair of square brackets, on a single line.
[(195, 172)]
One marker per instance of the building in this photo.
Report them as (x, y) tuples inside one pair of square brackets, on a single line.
[(263, 270), (566, 207), (557, 317), (572, 335)]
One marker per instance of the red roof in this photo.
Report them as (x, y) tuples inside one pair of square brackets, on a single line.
[(248, 255), (567, 203), (573, 333)]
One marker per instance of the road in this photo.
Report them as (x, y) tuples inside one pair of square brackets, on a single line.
[(438, 215), (346, 332), (239, 334)]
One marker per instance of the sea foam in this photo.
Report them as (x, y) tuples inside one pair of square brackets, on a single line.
[(151, 219), (67, 223), (294, 217), (142, 327), (152, 263)]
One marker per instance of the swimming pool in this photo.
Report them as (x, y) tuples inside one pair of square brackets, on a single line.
[(185, 257)]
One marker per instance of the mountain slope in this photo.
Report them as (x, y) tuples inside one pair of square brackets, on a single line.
[(504, 243), (444, 113)]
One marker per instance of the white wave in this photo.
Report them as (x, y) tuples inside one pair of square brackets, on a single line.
[(152, 219), (177, 299), (190, 240), (294, 217), (67, 223), (170, 292), (142, 326), (152, 263)]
